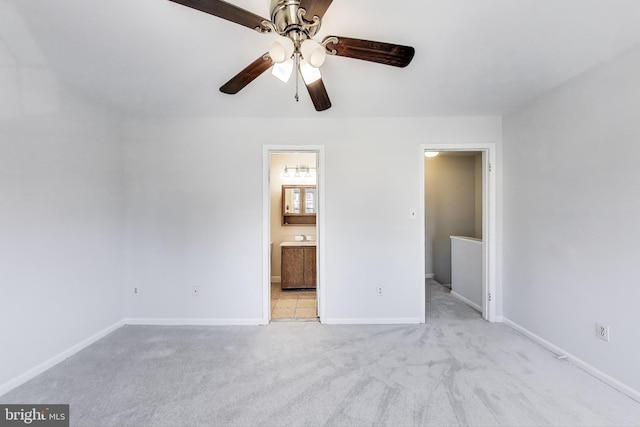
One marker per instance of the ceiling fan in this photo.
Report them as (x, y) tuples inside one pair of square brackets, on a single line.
[(296, 22)]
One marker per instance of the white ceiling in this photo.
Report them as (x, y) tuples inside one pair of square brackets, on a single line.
[(473, 57)]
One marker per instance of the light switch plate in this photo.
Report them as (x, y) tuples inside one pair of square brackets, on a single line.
[(413, 213)]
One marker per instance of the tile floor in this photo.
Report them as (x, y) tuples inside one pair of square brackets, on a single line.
[(292, 304)]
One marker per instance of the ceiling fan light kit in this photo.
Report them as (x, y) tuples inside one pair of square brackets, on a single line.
[(281, 50), (283, 70), (296, 22), (313, 52), (310, 74)]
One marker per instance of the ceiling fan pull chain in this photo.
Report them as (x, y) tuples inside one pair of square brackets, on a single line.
[(297, 66)]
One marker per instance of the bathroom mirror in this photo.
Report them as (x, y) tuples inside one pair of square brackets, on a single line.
[(299, 204), (291, 200), (310, 201)]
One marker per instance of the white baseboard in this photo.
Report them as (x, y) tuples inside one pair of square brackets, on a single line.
[(466, 301), (429, 276), (50, 363), (389, 321), (192, 322), (607, 379), (276, 279)]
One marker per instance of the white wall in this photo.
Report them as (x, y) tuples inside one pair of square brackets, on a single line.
[(193, 220), (571, 205), (60, 223)]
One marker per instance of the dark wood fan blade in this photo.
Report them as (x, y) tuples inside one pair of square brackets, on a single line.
[(315, 8), (319, 95), (367, 50), (225, 10), (246, 76)]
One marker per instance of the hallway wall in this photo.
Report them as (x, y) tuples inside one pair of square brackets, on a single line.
[(451, 207)]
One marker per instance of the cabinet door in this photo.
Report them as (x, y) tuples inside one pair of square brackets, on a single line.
[(310, 268), (292, 268)]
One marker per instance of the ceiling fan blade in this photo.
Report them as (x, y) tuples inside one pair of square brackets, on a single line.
[(225, 10), (319, 95), (367, 50), (315, 8), (246, 76)]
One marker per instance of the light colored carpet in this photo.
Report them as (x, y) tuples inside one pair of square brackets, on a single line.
[(455, 370)]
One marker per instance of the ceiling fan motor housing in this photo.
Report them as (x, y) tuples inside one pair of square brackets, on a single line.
[(288, 21)]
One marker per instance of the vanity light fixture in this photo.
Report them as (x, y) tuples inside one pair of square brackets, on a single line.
[(431, 154), (302, 171)]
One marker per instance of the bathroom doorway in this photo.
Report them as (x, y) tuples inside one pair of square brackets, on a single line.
[(466, 235), (293, 207)]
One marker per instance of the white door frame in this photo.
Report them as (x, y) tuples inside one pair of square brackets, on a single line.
[(490, 299), (266, 225)]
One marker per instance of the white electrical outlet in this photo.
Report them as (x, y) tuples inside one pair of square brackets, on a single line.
[(602, 332), (136, 291), (195, 291), (379, 291)]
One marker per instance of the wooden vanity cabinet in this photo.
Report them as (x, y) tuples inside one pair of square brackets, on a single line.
[(298, 267)]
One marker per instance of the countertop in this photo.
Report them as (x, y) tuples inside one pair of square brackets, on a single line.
[(303, 243)]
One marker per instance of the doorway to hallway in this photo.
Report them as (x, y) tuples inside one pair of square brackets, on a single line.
[(459, 221)]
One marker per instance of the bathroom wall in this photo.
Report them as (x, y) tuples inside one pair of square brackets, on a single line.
[(280, 233), (453, 206)]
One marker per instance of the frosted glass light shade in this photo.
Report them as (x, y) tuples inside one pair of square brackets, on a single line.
[(281, 49), (431, 153), (283, 70), (309, 73), (313, 53)]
